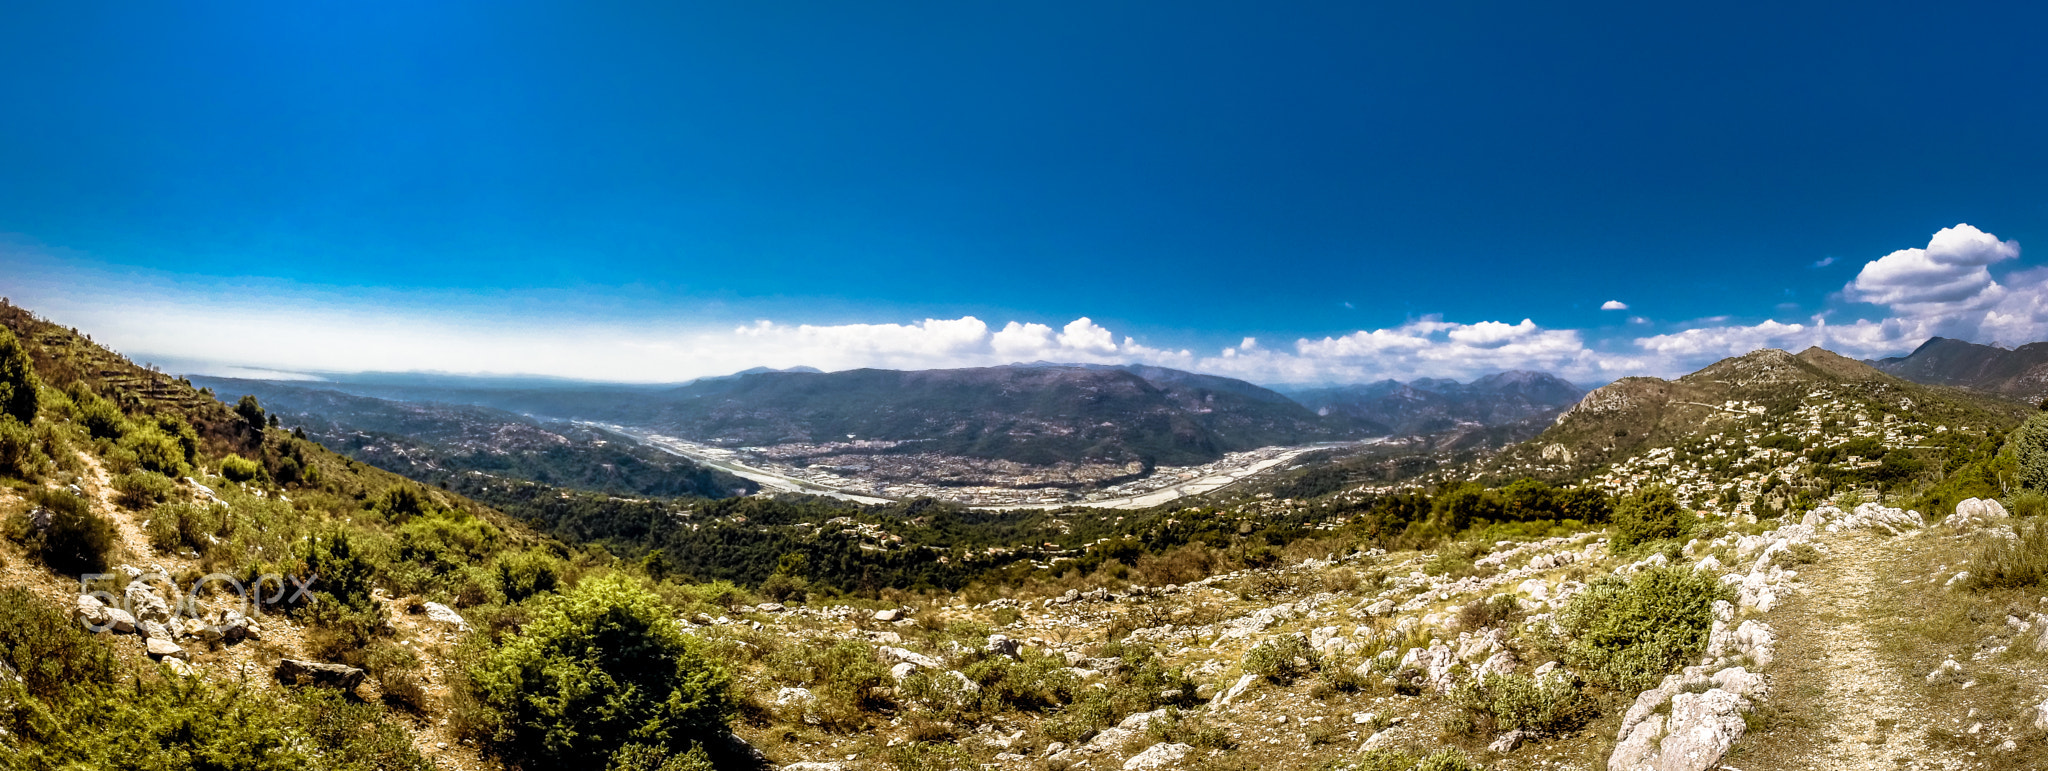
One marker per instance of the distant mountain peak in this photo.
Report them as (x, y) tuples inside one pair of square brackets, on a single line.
[(2020, 372)]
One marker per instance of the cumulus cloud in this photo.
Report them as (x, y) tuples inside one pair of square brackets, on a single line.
[(1614, 305), (1425, 347), (1952, 270)]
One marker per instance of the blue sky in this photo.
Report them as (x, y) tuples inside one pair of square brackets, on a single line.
[(661, 190)]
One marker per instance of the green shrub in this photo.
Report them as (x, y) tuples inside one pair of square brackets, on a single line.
[(1626, 634), (142, 489), (347, 571), (100, 417), (52, 654), (524, 574), (642, 757), (2027, 504), (1282, 659), (1396, 760), (843, 678), (1178, 728), (156, 451), (1650, 515), (401, 503), (77, 539), (176, 526), (1498, 703), (2029, 446), (601, 667), (20, 457), (2012, 564), (930, 756), (1497, 610), (1141, 683), (20, 390), (239, 469)]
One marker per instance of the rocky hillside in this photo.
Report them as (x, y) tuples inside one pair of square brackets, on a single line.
[(2021, 373), (1812, 396)]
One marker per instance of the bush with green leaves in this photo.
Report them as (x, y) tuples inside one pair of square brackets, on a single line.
[(1626, 634), (100, 417), (74, 539), (600, 668), (1496, 703), (143, 489), (843, 678), (1650, 515), (155, 450), (1141, 683), (177, 526), (347, 571), (523, 574), (1282, 659), (2028, 445), (21, 456), (20, 390), (236, 468), (1396, 760)]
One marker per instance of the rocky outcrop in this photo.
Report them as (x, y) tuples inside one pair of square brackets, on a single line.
[(1975, 513), (1871, 516)]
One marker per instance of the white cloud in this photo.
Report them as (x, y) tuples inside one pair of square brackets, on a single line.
[(1951, 271), (1085, 336), (1614, 305), (1946, 288)]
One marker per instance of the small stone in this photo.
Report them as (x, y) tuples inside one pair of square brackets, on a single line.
[(161, 648), (888, 615)]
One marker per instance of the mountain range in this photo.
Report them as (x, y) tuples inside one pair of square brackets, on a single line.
[(2021, 373), (1036, 414), (1429, 406)]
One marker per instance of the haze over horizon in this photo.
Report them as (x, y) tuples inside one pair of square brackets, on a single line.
[(1334, 194)]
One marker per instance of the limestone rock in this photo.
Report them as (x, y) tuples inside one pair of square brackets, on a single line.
[(793, 696), (1230, 694), (888, 615), (1948, 672), (1973, 513), (178, 667), (1002, 645), (160, 648), (91, 612), (900, 656), (319, 673), (144, 603), (1160, 755), (120, 621), (1507, 742), (442, 614)]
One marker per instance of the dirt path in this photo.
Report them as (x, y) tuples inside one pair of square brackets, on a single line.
[(99, 489), (1838, 700)]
